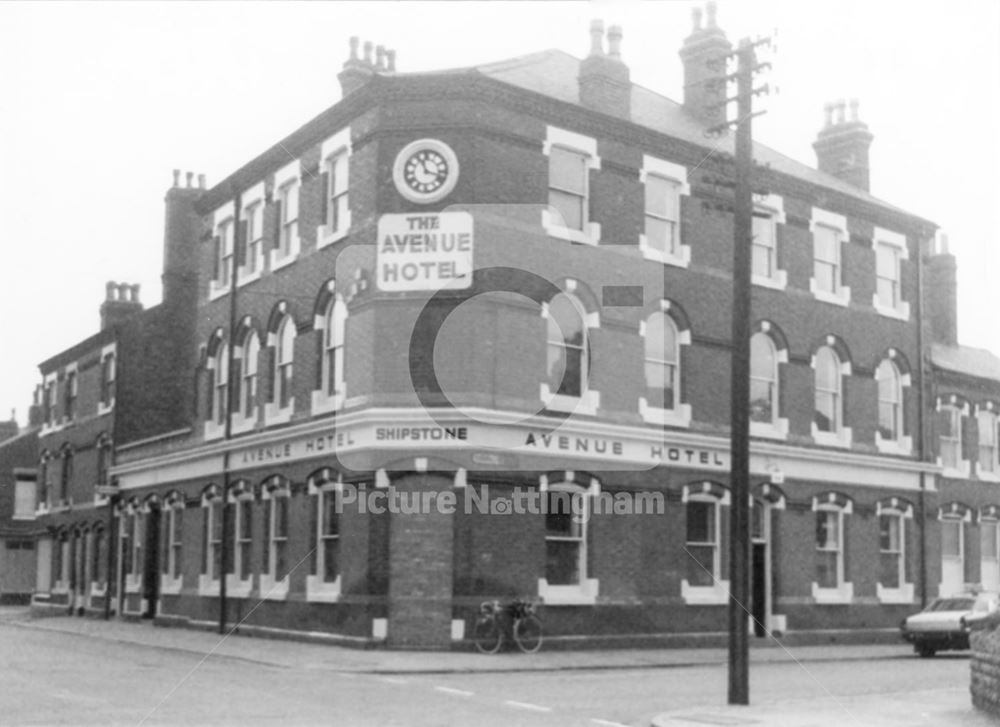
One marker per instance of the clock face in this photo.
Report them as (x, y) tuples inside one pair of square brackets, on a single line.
[(425, 171)]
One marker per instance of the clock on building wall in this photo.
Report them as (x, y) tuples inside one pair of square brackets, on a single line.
[(425, 171)]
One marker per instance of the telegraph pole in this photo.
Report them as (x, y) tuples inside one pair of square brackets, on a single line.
[(739, 535)]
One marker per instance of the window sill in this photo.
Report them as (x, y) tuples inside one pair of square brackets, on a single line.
[(714, 595), (241, 425), (588, 403), (778, 281), (274, 415), (271, 590), (901, 595), (217, 290), (589, 236), (323, 404), (23, 516), (320, 591), (243, 278), (170, 586), (902, 446), (98, 591), (778, 429), (842, 297), (985, 475), (133, 584), (681, 259), (902, 313), (237, 588), (102, 409), (584, 594), (961, 471), (844, 593), (325, 238), (213, 430), (208, 586), (841, 438), (277, 262), (679, 417)]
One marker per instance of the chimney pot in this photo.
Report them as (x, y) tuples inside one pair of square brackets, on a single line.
[(391, 57), (109, 290), (380, 57), (201, 181), (135, 293), (596, 37), (368, 52), (190, 176), (710, 10), (828, 113), (177, 177), (695, 20), (615, 41), (854, 109), (354, 47), (943, 245)]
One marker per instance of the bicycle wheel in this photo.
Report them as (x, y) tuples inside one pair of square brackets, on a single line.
[(528, 633), (486, 634)]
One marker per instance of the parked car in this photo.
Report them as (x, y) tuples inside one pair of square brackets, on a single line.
[(945, 624)]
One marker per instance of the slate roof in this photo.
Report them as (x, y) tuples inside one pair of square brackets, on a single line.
[(966, 360)]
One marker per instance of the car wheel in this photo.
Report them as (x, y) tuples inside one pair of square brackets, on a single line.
[(925, 651)]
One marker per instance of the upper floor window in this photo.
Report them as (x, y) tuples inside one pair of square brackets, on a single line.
[(887, 287), (890, 401), (107, 379), (663, 206), (286, 196), (765, 245), (568, 349), (224, 236), (986, 419), (950, 435), (66, 476), (333, 347), (220, 384), (829, 401), (336, 209), (662, 364), (103, 459), (49, 402), (763, 379), (571, 157), (248, 388), (283, 359), (253, 259), (70, 394), (826, 259)]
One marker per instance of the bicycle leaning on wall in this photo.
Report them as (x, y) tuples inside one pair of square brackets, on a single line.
[(525, 628)]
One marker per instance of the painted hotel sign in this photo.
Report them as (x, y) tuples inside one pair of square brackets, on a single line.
[(424, 252)]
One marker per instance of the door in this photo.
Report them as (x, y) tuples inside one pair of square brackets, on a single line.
[(760, 576), (151, 567)]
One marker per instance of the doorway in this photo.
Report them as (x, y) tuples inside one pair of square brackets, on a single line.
[(760, 572), (150, 568)]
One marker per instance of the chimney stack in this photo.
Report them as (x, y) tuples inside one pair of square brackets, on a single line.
[(941, 295), (180, 240), (121, 301), (605, 83), (842, 144), (704, 57), (35, 418), (359, 71)]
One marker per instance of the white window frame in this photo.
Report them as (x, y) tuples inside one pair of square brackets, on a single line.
[(985, 563), (49, 403), (584, 592), (904, 593), (960, 519), (844, 590), (96, 586), (680, 414), (318, 589), (252, 214), (71, 393), (589, 400), (962, 467), (777, 428), (213, 427), (842, 435), (274, 413), (903, 444), (109, 352), (837, 223), (271, 588), (333, 319), (718, 592), (208, 582), (171, 582), (287, 183), (987, 413), (770, 207), (62, 576), (223, 229), (680, 256), (896, 242), (553, 223), (333, 149), (249, 356), (25, 503), (133, 578), (236, 585)]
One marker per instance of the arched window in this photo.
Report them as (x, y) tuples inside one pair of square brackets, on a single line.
[(248, 388), (829, 401), (662, 362), (763, 379), (890, 401), (333, 347), (831, 585), (326, 490), (283, 363), (277, 497), (568, 365), (220, 383)]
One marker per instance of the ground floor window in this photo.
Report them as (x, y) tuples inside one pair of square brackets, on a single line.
[(892, 550), (952, 555), (566, 536), (702, 542), (989, 564), (829, 548)]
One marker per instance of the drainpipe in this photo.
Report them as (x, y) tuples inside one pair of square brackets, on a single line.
[(228, 433), (922, 448)]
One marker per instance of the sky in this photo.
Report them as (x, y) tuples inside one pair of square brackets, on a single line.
[(99, 102)]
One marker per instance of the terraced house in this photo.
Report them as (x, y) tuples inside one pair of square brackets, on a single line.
[(455, 301)]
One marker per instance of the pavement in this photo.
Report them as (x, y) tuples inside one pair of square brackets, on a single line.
[(941, 707)]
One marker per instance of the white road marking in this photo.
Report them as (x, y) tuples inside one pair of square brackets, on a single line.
[(528, 705), (456, 692), (393, 680), (609, 724)]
